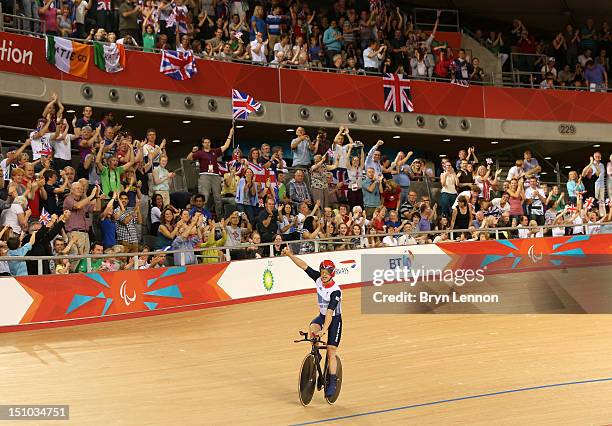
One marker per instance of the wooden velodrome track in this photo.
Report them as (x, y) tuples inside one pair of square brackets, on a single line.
[(238, 365)]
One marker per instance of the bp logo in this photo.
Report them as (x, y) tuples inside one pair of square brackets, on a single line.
[(268, 280)]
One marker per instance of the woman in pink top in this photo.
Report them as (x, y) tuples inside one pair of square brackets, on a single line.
[(517, 196), (48, 13)]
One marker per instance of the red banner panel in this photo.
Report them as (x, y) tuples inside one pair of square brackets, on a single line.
[(26, 55)]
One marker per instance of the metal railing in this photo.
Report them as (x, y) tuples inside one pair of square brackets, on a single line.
[(19, 23), (316, 245)]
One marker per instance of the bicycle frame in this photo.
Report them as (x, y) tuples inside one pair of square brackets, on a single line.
[(315, 348)]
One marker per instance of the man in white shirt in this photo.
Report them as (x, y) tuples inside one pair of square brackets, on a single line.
[(373, 56), (516, 171), (406, 239), (470, 195), (535, 198), (502, 203), (259, 49), (41, 139), (283, 46)]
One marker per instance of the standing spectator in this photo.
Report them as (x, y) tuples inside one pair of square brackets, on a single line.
[(209, 182), (574, 187), (104, 16), (247, 195), (372, 188), (477, 75), (373, 159), (596, 77), (495, 44), (125, 221), (48, 14), (110, 174), (81, 207), (258, 24), (301, 147), (129, 14), (332, 39), (462, 215), (373, 55), (609, 179), (531, 167), (274, 21), (161, 180), (599, 170), (449, 182), (259, 49), (16, 216), (535, 199), (19, 267), (462, 68)]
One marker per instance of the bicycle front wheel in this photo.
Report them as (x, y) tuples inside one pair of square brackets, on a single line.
[(307, 379), (334, 397)]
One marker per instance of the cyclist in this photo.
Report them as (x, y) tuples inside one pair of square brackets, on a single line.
[(329, 319)]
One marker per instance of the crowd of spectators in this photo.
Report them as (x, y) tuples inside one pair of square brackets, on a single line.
[(116, 197), (350, 36), (575, 58)]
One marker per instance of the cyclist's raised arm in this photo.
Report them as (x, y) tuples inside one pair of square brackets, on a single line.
[(299, 262)]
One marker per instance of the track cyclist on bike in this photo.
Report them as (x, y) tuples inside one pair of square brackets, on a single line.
[(329, 319)]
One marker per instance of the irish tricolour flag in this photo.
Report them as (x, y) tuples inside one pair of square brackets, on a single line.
[(109, 57), (68, 56)]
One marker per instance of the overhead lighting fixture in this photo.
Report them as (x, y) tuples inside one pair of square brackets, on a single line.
[(568, 167), (446, 140), (442, 155), (544, 173), (547, 158), (186, 121), (15, 105), (129, 116), (396, 137), (494, 142), (176, 140), (596, 145), (290, 130), (240, 126), (70, 111)]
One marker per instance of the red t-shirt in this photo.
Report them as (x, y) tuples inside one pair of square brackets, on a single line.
[(34, 204), (208, 160), (390, 198), (525, 47), (378, 224)]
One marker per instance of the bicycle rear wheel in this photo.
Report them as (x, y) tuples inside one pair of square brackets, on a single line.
[(307, 379), (336, 394)]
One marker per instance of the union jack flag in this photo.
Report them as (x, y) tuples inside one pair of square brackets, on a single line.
[(571, 209), (397, 93), (45, 217), (243, 105), (588, 203), (178, 65)]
